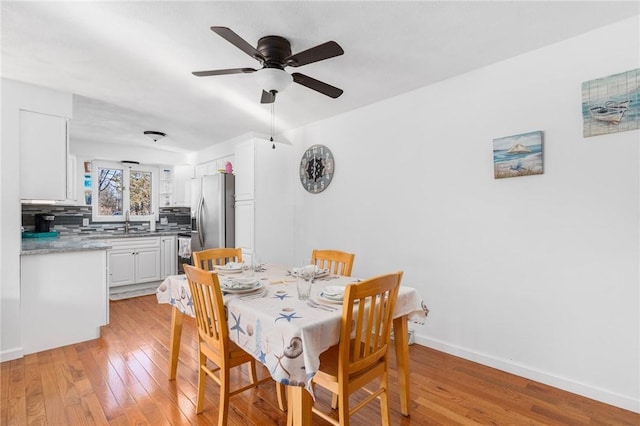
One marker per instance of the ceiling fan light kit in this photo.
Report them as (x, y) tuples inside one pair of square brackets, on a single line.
[(154, 135), (274, 53), (273, 79)]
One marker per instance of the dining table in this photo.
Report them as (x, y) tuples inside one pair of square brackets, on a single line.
[(287, 334)]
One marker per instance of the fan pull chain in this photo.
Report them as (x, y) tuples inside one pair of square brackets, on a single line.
[(273, 109)]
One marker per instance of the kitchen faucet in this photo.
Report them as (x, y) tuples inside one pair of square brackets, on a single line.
[(126, 222)]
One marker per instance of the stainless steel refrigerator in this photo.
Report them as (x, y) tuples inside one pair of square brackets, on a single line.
[(212, 212)]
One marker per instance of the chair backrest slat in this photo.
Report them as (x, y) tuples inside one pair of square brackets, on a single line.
[(337, 262), (367, 317), (209, 307), (209, 258)]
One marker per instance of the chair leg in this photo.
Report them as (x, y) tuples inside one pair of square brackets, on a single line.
[(252, 371), (384, 400), (334, 401), (281, 391), (343, 407), (202, 376), (223, 412)]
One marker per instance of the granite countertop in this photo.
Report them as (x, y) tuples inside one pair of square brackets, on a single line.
[(61, 245), (82, 242)]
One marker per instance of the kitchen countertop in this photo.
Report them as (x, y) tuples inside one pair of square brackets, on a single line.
[(82, 242), (61, 245)]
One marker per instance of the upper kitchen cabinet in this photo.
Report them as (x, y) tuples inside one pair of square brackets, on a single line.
[(44, 171), (244, 170), (213, 167), (34, 126), (181, 184)]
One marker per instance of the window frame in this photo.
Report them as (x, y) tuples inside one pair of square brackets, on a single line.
[(126, 198)]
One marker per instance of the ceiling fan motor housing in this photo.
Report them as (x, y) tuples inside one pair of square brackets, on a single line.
[(274, 50)]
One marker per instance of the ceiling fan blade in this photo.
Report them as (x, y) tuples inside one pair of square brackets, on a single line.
[(268, 97), (320, 52), (238, 42), (317, 85), (223, 72)]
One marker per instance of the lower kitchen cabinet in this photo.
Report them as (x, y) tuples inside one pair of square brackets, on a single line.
[(134, 261), (169, 253), (63, 298)]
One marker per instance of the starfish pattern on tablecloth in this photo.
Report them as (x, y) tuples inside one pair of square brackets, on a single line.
[(281, 296), (237, 326), (288, 317)]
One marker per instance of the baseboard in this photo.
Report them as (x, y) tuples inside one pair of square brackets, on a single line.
[(11, 354), (135, 290), (602, 395)]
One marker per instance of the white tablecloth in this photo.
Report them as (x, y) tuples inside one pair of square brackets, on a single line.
[(285, 334)]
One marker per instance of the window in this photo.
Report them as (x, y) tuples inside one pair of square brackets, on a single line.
[(119, 189)]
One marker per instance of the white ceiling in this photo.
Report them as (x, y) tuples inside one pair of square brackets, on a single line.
[(129, 63)]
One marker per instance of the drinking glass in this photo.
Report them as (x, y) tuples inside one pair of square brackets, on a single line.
[(304, 288), (306, 273)]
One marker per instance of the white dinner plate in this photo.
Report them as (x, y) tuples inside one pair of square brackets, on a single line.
[(330, 299), (230, 268), (256, 286)]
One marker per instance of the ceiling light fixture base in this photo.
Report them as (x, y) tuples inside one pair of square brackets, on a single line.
[(156, 136)]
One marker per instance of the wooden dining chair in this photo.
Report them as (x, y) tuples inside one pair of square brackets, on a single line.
[(213, 341), (362, 354), (207, 259), (338, 262)]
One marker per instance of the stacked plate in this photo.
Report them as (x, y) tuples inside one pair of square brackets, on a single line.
[(319, 273), (230, 268), (240, 285), (333, 294)]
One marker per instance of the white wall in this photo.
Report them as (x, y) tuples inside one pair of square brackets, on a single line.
[(535, 275), (16, 96)]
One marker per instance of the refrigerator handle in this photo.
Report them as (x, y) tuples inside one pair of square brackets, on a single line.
[(201, 222)]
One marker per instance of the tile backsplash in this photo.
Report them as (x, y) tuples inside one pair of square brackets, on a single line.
[(68, 219)]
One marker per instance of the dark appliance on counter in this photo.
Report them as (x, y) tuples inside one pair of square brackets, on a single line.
[(43, 222)]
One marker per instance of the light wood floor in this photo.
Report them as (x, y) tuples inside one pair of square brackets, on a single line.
[(121, 379)]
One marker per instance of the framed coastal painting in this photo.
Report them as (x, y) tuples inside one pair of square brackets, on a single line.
[(611, 104), (518, 155)]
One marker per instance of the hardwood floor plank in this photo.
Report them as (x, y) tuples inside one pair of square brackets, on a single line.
[(4, 390), (54, 403), (122, 379), (35, 402), (16, 401)]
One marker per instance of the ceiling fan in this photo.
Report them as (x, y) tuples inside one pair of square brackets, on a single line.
[(274, 53)]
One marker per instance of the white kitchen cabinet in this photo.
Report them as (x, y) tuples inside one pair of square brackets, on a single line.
[(63, 298), (182, 175), (44, 153), (169, 255), (245, 239), (133, 261), (264, 200), (214, 166), (245, 170)]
